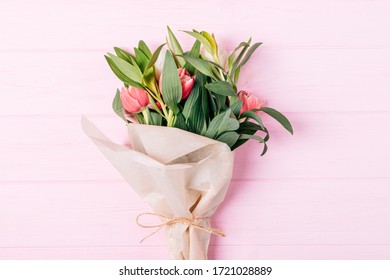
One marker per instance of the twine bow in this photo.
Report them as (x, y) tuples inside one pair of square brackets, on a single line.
[(191, 222)]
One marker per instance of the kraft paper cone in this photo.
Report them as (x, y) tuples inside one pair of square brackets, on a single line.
[(178, 173)]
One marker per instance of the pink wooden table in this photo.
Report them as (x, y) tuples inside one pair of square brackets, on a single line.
[(322, 194)]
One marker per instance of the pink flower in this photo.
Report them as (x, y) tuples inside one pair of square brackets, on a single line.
[(249, 102), (134, 100), (187, 82)]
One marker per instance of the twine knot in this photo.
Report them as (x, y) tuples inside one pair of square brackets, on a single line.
[(191, 222)]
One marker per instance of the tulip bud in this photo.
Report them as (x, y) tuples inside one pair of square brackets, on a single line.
[(222, 57), (187, 82), (159, 64), (249, 102), (134, 100)]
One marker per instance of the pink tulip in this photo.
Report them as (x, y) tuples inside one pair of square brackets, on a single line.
[(134, 100), (249, 102), (187, 82)]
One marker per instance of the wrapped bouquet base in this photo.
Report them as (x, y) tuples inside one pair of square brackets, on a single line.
[(181, 175)]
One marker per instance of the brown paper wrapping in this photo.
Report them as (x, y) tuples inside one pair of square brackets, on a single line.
[(178, 173)]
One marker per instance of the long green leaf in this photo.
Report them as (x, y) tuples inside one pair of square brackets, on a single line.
[(141, 59), (174, 43), (212, 130), (249, 54), (154, 57), (171, 85), (123, 54), (201, 65), (252, 115), (221, 88), (202, 39), (156, 118), (230, 138), (193, 111), (126, 68), (257, 138), (236, 108), (232, 55), (180, 122), (118, 108), (278, 117), (254, 137), (120, 75), (237, 60), (144, 48), (194, 53), (220, 124)]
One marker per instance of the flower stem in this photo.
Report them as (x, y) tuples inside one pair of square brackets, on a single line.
[(146, 113), (170, 118)]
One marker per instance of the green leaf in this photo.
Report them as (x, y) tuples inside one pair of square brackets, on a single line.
[(144, 48), (191, 103), (117, 106), (193, 111), (212, 103), (121, 75), (221, 87), (154, 57), (237, 60), (141, 59), (230, 138), (174, 43), (123, 54), (221, 103), (180, 122), (220, 124), (254, 137), (236, 108), (126, 68), (171, 85), (236, 75), (201, 65), (257, 138), (212, 42), (212, 130), (202, 39), (249, 53), (194, 53), (156, 118), (215, 64), (252, 115), (135, 64), (232, 55), (250, 126), (140, 118), (278, 117)]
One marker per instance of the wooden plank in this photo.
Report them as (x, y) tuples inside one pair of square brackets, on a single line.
[(291, 80), (257, 213), (99, 25), (325, 145), (316, 252)]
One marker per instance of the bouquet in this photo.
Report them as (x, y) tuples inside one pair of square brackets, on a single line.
[(184, 116)]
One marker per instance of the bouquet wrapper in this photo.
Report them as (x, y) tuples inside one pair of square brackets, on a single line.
[(181, 175)]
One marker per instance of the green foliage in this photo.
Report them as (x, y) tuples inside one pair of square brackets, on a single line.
[(279, 117), (117, 106), (221, 88), (213, 108), (171, 85)]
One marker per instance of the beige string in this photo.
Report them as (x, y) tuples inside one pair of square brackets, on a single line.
[(191, 222)]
